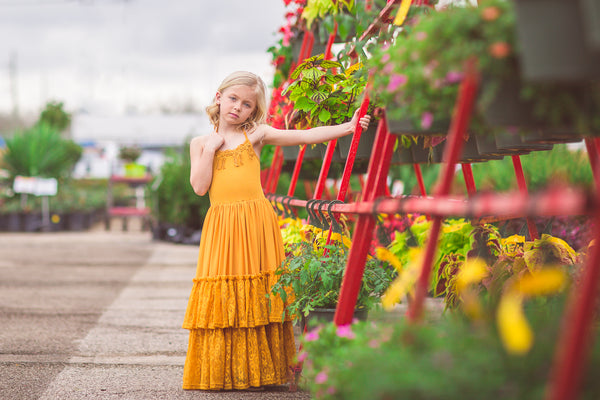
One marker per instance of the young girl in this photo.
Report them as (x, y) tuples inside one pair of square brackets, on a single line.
[(237, 337)]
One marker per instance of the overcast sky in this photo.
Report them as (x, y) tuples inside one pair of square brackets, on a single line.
[(108, 56)]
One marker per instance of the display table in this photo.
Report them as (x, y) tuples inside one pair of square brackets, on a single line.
[(138, 185)]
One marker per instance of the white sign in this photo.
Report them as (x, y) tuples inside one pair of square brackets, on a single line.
[(36, 186)]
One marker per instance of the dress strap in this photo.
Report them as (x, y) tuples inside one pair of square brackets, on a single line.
[(245, 134)]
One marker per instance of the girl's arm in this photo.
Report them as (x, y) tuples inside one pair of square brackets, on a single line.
[(202, 152), (280, 137)]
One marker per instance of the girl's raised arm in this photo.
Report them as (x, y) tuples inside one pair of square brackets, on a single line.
[(280, 137)]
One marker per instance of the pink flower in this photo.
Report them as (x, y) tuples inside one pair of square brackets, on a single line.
[(302, 356), (385, 58), (388, 68), (396, 81), (312, 335), (453, 77), (426, 120), (373, 344), (421, 36), (345, 331), (331, 390), (321, 378)]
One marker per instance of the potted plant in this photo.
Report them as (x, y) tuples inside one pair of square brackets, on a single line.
[(418, 75), (178, 212), (326, 93), (129, 155), (312, 276)]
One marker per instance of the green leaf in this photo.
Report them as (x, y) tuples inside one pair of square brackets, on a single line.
[(324, 116), (312, 74)]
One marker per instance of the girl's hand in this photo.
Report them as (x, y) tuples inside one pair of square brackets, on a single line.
[(214, 142), (364, 121)]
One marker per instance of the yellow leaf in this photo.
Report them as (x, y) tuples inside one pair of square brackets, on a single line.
[(385, 255), (472, 271), (402, 11), (542, 282), (353, 68), (405, 282), (515, 333)]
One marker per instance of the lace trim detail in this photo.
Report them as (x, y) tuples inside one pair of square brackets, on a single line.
[(236, 154)]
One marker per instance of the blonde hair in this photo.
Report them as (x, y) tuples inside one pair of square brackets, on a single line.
[(259, 115)]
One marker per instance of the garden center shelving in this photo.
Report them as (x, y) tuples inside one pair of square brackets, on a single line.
[(569, 356)]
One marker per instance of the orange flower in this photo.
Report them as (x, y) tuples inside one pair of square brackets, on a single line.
[(499, 49), (490, 13)]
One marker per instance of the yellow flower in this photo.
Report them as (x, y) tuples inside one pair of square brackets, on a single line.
[(405, 282), (542, 282), (513, 327), (385, 255), (354, 67), (472, 271)]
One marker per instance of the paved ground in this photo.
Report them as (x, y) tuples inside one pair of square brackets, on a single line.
[(97, 315)]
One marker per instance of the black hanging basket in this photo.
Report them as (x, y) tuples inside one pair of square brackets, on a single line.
[(555, 46), (365, 145), (407, 127)]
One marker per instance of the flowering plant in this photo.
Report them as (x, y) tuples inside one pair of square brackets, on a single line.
[(418, 75), (314, 271)]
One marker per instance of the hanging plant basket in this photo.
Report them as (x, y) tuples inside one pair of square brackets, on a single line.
[(510, 141), (290, 153), (471, 154), (365, 145), (407, 127), (553, 41)]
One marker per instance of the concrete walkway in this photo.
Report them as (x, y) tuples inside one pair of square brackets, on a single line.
[(97, 315)]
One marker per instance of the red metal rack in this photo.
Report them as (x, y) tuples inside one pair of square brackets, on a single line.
[(578, 318)]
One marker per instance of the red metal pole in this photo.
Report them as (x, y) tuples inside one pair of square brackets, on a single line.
[(325, 169), (533, 232), (420, 180), (469, 180), (460, 122), (296, 172), (352, 151), (593, 156), (379, 165), (576, 336)]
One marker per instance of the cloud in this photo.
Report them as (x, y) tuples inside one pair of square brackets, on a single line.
[(136, 52)]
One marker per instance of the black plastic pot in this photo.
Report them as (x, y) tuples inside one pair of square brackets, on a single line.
[(11, 222), (406, 127), (553, 41), (327, 314), (78, 221), (365, 145)]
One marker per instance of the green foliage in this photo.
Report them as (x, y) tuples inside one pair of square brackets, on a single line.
[(174, 200), (315, 278), (320, 95), (450, 358), (129, 153), (455, 240), (55, 116), (40, 151)]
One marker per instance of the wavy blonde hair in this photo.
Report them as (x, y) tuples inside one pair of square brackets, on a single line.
[(259, 115)]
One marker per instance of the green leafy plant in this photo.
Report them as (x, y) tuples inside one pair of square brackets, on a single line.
[(418, 75), (447, 358), (173, 199), (130, 154), (314, 274), (323, 96), (40, 151)]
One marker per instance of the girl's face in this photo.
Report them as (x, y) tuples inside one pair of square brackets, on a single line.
[(236, 104)]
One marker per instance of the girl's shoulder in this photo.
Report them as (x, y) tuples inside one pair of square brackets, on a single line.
[(257, 134)]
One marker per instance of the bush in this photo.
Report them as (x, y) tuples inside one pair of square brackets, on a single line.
[(173, 199)]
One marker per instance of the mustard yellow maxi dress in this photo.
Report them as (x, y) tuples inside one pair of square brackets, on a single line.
[(237, 337)]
